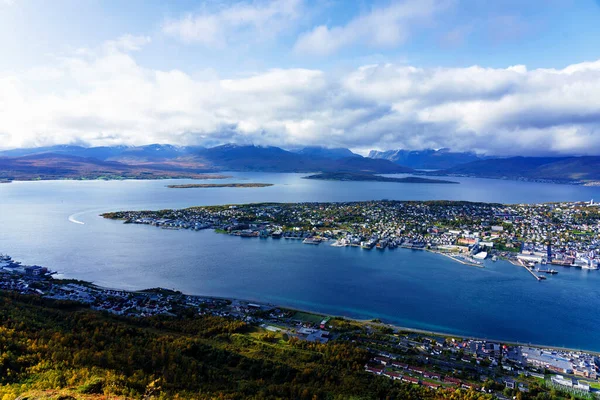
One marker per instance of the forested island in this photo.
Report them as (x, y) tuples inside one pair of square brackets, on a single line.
[(220, 185), (362, 177)]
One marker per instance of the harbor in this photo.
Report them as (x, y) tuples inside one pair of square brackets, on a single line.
[(520, 263)]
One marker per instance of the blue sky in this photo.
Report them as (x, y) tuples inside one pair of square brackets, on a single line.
[(319, 69)]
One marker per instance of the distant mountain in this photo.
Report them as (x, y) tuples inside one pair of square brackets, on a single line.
[(64, 161), (274, 159), (567, 169), (147, 153), (45, 166), (335, 153), (425, 159)]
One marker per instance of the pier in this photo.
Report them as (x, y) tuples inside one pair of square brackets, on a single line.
[(465, 262), (520, 264)]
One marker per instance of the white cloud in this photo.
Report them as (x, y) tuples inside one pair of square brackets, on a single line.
[(105, 97), (217, 28), (127, 43), (380, 28)]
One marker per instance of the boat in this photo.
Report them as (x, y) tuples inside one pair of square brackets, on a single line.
[(541, 277), (340, 243), (276, 234), (368, 244), (547, 271), (311, 240), (494, 258)]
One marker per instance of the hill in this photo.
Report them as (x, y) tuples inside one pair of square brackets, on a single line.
[(152, 161), (50, 347), (59, 166), (425, 159), (274, 159), (560, 169), (333, 153)]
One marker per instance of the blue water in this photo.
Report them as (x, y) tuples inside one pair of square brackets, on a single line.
[(409, 288)]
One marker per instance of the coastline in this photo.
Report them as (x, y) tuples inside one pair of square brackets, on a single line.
[(357, 320), (107, 178), (375, 321)]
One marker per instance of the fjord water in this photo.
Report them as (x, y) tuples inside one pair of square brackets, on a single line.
[(56, 224)]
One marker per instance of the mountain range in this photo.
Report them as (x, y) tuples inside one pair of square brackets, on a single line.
[(168, 161), (559, 169), (159, 160), (425, 159)]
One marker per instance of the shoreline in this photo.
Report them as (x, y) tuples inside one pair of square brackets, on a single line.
[(199, 177), (357, 320), (376, 321)]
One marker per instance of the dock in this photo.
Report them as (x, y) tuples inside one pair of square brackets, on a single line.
[(520, 264), (465, 262)]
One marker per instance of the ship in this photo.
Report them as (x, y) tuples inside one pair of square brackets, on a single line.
[(277, 234), (494, 258), (548, 271)]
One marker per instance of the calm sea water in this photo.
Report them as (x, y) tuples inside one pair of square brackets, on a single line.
[(56, 224)]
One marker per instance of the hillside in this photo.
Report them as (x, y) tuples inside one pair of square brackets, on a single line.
[(561, 169), (318, 151), (58, 166), (51, 347), (425, 159), (274, 159), (153, 161)]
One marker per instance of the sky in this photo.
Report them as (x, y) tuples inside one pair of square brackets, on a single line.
[(507, 77)]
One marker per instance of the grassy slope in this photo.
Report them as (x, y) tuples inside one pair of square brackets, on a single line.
[(51, 348)]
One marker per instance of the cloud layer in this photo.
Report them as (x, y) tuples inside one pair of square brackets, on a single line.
[(106, 97), (238, 21), (380, 28)]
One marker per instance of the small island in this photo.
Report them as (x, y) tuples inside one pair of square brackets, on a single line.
[(351, 176), (219, 185)]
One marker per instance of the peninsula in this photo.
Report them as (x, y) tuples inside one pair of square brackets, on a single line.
[(564, 234), (362, 177), (219, 185)]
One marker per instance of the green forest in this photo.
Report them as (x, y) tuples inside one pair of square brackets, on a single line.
[(61, 350)]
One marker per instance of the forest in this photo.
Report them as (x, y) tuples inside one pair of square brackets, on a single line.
[(62, 350)]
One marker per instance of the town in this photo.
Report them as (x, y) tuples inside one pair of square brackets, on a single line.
[(434, 361), (565, 234)]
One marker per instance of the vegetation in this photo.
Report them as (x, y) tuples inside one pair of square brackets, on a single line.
[(51, 349)]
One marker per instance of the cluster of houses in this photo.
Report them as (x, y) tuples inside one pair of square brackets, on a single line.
[(562, 233), (568, 370), (580, 364), (403, 372)]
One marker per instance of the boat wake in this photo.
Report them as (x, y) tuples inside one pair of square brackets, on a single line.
[(74, 220)]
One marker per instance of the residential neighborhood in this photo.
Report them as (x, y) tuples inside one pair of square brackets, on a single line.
[(565, 234)]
